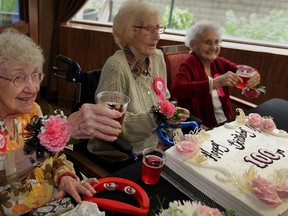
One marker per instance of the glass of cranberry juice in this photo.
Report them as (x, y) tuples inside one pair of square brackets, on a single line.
[(244, 71), (152, 164), (114, 100)]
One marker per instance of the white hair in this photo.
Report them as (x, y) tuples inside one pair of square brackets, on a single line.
[(194, 33)]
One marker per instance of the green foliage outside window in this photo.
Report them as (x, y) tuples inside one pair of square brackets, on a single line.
[(273, 27), (8, 9), (181, 18)]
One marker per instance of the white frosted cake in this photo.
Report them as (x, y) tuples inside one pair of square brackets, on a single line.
[(241, 165)]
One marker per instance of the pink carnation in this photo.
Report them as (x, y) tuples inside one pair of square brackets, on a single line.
[(268, 124), (265, 192), (255, 120), (251, 93), (282, 190), (167, 108), (207, 211), (55, 134)]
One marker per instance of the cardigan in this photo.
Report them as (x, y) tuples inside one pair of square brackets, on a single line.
[(191, 88), (139, 125)]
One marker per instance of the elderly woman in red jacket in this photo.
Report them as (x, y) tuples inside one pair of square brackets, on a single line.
[(202, 83)]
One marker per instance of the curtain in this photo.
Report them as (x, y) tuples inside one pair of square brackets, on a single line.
[(64, 11)]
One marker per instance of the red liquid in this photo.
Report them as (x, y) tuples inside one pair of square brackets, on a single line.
[(244, 83), (151, 169), (118, 107)]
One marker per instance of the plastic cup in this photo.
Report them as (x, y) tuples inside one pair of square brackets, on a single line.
[(244, 71), (114, 100), (152, 164)]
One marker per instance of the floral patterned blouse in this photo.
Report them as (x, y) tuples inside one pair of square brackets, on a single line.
[(18, 197)]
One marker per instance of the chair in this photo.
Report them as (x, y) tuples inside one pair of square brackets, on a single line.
[(173, 55)]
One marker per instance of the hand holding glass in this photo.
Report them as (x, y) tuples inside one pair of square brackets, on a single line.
[(244, 72), (152, 164), (114, 100)]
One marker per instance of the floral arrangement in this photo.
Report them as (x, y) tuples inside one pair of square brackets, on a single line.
[(253, 92), (48, 133), (269, 191), (188, 208)]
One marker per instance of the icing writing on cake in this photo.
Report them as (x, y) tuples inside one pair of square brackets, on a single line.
[(239, 138), (216, 152), (264, 157)]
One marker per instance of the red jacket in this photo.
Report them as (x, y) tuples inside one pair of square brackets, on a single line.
[(191, 88)]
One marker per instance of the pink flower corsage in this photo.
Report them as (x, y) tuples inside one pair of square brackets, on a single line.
[(167, 108), (159, 87), (47, 133), (54, 134)]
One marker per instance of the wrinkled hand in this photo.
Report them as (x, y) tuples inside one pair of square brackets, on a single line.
[(69, 185), (254, 80), (94, 121), (183, 116), (227, 79)]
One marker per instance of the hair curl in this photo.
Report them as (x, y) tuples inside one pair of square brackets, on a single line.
[(18, 46), (131, 13)]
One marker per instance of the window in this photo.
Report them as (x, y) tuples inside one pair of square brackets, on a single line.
[(258, 21), (9, 12)]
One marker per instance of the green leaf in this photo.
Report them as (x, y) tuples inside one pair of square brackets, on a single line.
[(73, 141)]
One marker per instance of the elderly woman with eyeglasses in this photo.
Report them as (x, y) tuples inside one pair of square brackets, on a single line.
[(201, 85), (138, 70), (26, 180)]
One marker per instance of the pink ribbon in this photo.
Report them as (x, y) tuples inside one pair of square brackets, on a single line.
[(220, 91)]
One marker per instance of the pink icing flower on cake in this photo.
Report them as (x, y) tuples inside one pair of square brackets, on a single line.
[(282, 190), (187, 148), (268, 124), (167, 108), (265, 192), (255, 120)]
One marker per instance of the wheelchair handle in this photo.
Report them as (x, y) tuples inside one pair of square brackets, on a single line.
[(169, 140)]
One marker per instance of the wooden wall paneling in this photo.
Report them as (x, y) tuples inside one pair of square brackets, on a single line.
[(90, 49), (33, 8)]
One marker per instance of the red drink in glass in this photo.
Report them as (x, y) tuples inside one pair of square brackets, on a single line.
[(118, 107), (244, 72), (114, 100), (152, 165)]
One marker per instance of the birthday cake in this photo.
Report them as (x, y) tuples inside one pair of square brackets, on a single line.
[(241, 165)]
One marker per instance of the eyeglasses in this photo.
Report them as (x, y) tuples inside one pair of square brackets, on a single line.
[(151, 29), (20, 81), (210, 43)]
